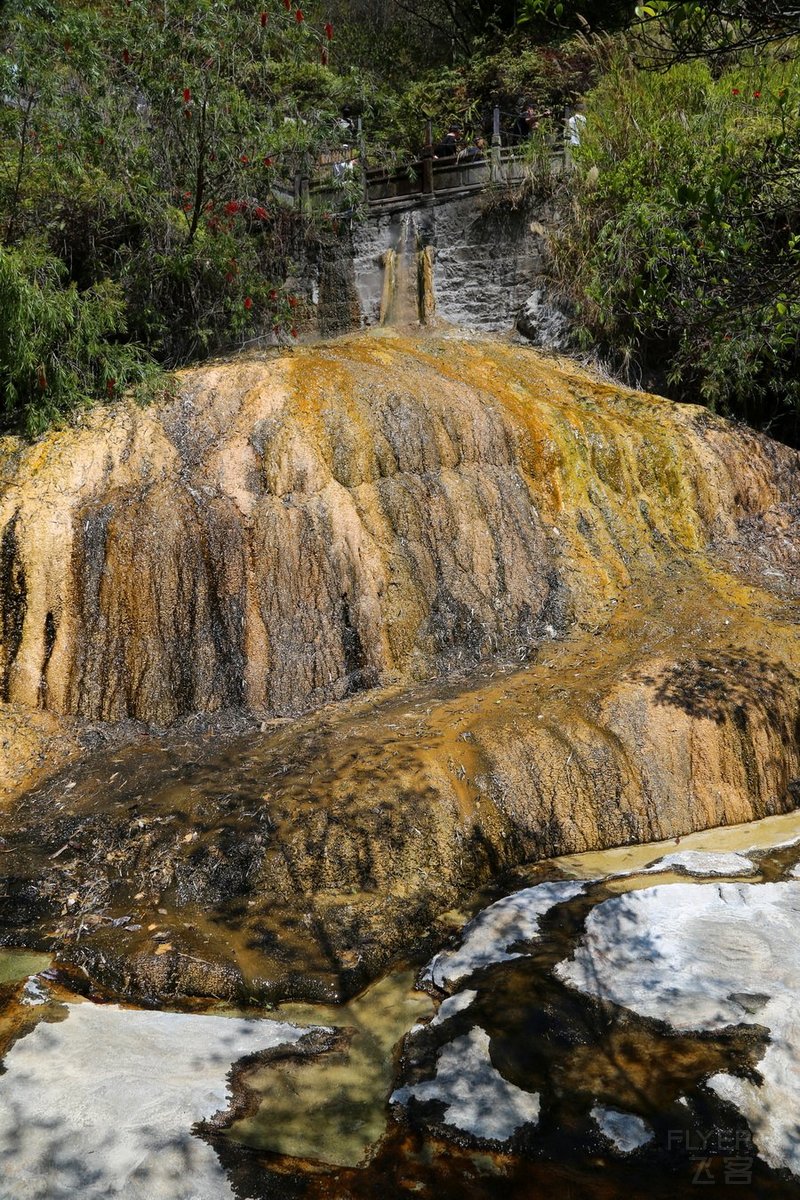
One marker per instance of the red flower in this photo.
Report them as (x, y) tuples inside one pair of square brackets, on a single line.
[(323, 57), (287, 4), (293, 332), (110, 385), (329, 32), (126, 58), (735, 91), (273, 295), (263, 19), (267, 162), (187, 95), (248, 303), (244, 159), (293, 302), (232, 207), (756, 95), (298, 16), (260, 213)]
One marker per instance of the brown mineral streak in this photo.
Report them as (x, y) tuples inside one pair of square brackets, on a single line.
[(293, 529)]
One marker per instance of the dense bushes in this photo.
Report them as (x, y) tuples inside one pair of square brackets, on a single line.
[(681, 251), (140, 145), (143, 146), (59, 346)]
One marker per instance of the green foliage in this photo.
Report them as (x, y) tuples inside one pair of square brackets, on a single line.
[(678, 31), (58, 346), (515, 70), (141, 145), (683, 242), (548, 16)]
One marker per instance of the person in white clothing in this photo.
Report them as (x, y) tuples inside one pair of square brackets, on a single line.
[(575, 125)]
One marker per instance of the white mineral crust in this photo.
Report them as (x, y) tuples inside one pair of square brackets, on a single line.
[(478, 1100), (488, 936), (702, 862), (627, 1131), (102, 1104), (703, 958)]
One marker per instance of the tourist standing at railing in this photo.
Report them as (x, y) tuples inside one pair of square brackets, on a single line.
[(347, 124), (475, 152), (524, 124), (448, 146)]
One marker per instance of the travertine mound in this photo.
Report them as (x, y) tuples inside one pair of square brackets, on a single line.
[(578, 604), (295, 527)]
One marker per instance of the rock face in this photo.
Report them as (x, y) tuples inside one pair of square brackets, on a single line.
[(486, 259), (609, 581), (292, 529)]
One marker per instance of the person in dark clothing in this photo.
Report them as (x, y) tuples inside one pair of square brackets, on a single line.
[(525, 123), (475, 152), (448, 146), (346, 123)]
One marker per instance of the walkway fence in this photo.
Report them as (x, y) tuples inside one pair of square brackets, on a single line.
[(339, 179)]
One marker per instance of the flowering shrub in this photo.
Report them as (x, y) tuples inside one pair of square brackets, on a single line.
[(138, 157)]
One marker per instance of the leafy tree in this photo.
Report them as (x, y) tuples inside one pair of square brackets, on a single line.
[(680, 31), (549, 18), (58, 346), (683, 244), (140, 147)]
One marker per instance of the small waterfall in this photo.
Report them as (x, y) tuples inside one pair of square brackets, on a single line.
[(408, 296)]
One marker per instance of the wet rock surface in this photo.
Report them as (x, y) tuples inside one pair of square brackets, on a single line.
[(553, 616), (669, 1049), (597, 1049)]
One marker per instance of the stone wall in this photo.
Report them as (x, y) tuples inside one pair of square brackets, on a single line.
[(489, 259)]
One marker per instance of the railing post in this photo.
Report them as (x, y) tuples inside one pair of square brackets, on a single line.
[(427, 160), (305, 185), (496, 168), (362, 155)]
